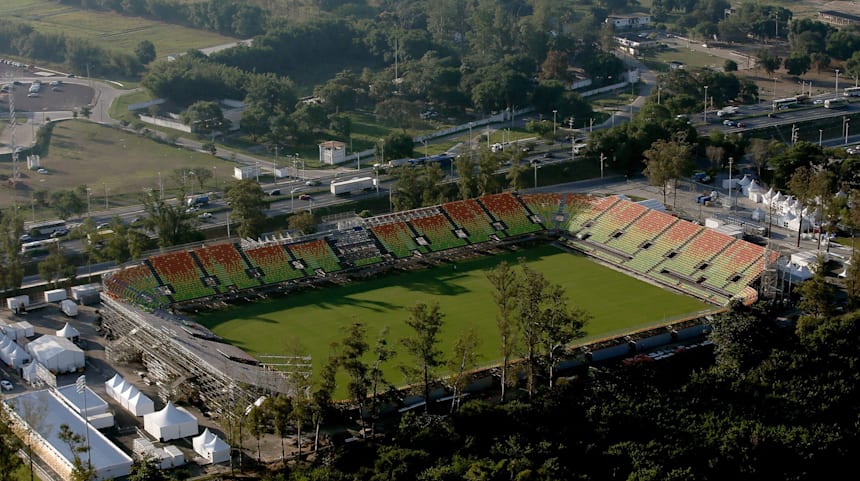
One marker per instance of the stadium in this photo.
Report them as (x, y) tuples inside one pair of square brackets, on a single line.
[(144, 305)]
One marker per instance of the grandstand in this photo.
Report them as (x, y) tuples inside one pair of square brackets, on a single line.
[(650, 245)]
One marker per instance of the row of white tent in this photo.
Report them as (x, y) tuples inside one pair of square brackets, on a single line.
[(784, 210), (128, 396), (12, 354)]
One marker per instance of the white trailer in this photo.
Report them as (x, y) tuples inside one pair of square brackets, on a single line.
[(55, 295), (352, 185)]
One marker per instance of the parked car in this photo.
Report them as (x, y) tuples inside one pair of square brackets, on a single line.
[(6, 385)]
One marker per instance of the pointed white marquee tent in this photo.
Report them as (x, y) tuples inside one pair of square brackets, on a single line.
[(170, 423), (69, 332), (211, 447)]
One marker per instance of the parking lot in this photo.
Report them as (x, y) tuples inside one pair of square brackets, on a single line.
[(67, 96)]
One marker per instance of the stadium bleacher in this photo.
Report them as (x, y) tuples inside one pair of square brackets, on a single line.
[(671, 251)]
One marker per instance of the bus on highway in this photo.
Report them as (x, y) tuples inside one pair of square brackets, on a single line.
[(851, 92), (38, 246), (47, 227), (779, 104), (835, 103)]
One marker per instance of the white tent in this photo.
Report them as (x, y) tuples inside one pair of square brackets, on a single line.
[(58, 354), (758, 214), (12, 354), (753, 192), (17, 330), (69, 332), (211, 447), (747, 180), (111, 383), (139, 404), (170, 423), (767, 196)]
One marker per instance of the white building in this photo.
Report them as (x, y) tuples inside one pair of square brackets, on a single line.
[(332, 152), (246, 172), (629, 22), (58, 354), (43, 412)]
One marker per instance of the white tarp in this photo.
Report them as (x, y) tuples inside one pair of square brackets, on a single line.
[(170, 423), (57, 353), (211, 447), (11, 353)]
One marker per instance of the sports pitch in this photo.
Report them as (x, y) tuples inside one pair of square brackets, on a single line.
[(314, 319)]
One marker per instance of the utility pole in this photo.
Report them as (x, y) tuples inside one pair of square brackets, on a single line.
[(602, 158)]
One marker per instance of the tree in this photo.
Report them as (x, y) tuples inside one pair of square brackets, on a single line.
[(768, 61), (81, 471), (667, 161), (201, 174), (399, 146), (817, 296), (797, 64), (730, 66), (467, 182), (382, 353), (11, 259), (67, 203), (56, 267), (145, 51), (303, 222), (463, 359), (488, 166), (426, 321), (759, 150), (506, 285), (9, 446), (146, 469), (530, 299), (805, 184), (170, 222), (518, 174), (246, 199), (741, 339), (352, 350), (559, 326), (203, 116)]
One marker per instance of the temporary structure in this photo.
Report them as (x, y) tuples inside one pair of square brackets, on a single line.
[(17, 330), (111, 383), (58, 354), (69, 333), (170, 423), (211, 447), (128, 396), (139, 404), (11, 353)]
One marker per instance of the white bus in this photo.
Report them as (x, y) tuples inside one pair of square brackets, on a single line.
[(851, 92), (38, 246), (47, 227), (835, 103), (780, 104)]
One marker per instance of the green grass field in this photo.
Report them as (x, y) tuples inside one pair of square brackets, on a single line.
[(314, 319), (86, 153), (108, 30)]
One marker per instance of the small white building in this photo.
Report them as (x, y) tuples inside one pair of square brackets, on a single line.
[(629, 22), (246, 172), (332, 152)]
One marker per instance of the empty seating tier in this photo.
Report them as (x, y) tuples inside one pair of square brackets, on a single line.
[(583, 209), (468, 215), (438, 232), (180, 271), (545, 206), (274, 263), (134, 282), (224, 262), (316, 254), (506, 208), (397, 239)]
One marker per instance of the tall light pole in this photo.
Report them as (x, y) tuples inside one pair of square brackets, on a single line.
[(554, 111), (602, 158), (535, 165), (845, 124), (659, 90), (275, 165), (89, 195), (820, 135), (705, 110), (382, 151), (425, 148), (293, 191), (731, 187), (470, 140), (837, 81), (106, 196)]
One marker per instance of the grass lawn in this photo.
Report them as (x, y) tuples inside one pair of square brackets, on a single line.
[(108, 30), (690, 58), (86, 153), (315, 319)]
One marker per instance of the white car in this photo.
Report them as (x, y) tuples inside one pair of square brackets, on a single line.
[(817, 102), (206, 215), (42, 171), (6, 385)]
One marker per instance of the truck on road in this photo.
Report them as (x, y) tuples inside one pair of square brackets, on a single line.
[(726, 111), (350, 186), (196, 199)]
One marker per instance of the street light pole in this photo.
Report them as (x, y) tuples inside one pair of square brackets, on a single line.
[(837, 81), (536, 168), (554, 111), (275, 165), (731, 187), (845, 121), (705, 110), (820, 135), (106, 196)]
